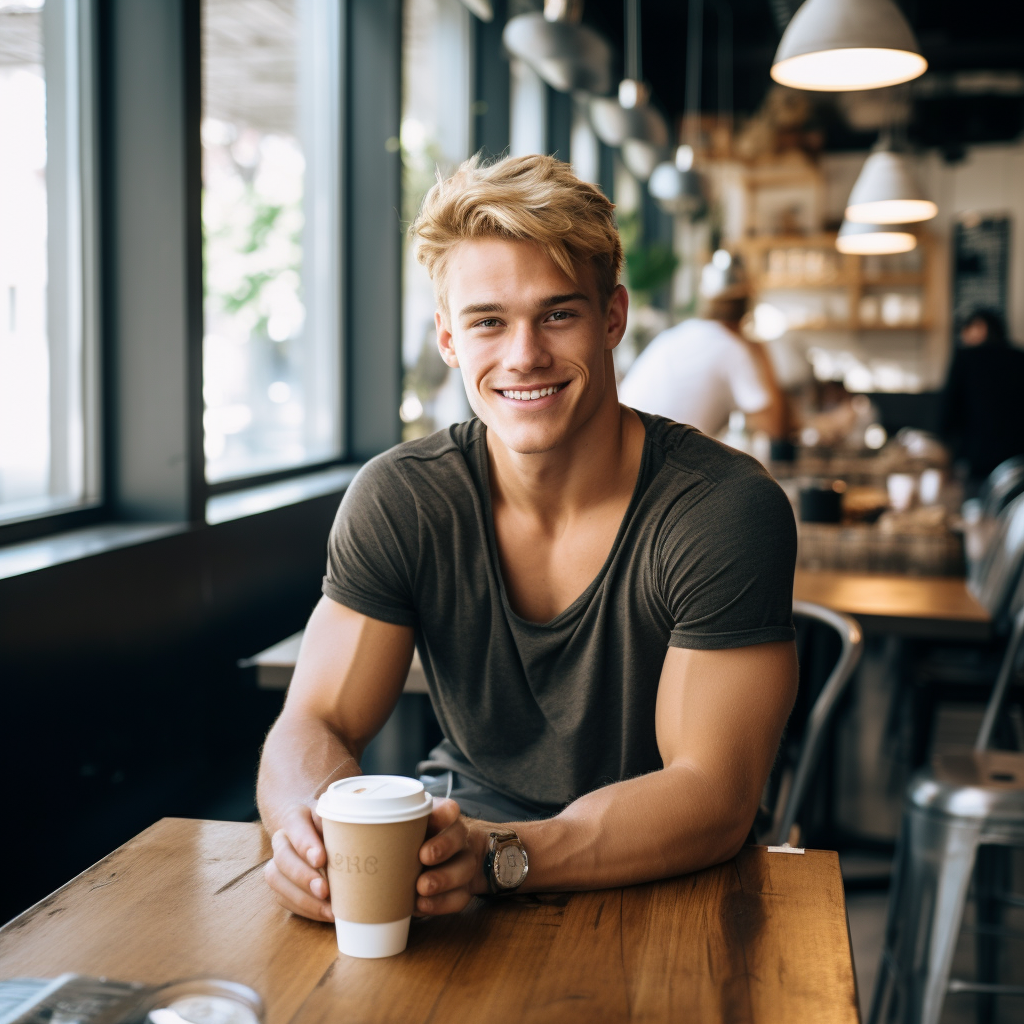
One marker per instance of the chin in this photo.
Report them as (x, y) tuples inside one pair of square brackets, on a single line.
[(529, 441)]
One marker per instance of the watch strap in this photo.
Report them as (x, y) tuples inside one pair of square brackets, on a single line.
[(494, 844)]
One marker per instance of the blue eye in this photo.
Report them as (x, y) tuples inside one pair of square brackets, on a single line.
[(561, 314), (489, 322)]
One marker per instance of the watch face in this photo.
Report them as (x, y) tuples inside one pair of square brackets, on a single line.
[(509, 866)]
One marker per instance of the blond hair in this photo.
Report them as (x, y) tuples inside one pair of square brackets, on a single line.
[(523, 198)]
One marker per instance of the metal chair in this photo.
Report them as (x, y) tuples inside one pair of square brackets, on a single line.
[(1003, 560), (792, 795), (1004, 483), (958, 672), (964, 811)]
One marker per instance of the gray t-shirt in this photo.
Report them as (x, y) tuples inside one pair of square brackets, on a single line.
[(545, 712)]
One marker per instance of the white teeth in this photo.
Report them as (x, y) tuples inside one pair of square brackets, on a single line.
[(529, 396)]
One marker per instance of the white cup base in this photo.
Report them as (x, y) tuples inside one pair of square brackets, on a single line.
[(370, 941)]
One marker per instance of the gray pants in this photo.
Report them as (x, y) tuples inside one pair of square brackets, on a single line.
[(479, 801)]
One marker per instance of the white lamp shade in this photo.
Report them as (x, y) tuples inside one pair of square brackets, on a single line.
[(567, 56), (887, 193), (614, 123), (874, 239), (640, 157), (481, 8), (676, 191), (842, 45)]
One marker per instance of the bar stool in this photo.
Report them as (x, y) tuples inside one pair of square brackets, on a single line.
[(969, 806)]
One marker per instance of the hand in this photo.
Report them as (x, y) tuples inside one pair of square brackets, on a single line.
[(297, 871), (456, 846)]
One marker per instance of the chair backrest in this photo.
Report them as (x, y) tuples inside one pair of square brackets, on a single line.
[(1002, 564), (1006, 670), (1004, 483), (851, 641)]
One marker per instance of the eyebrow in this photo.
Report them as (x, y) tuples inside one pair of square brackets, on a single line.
[(497, 307)]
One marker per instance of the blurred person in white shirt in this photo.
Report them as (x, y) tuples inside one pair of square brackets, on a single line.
[(701, 370)]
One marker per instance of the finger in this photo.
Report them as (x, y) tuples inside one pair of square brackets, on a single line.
[(306, 840), (446, 903), (295, 869), (446, 844), (292, 898), (456, 873), (445, 813)]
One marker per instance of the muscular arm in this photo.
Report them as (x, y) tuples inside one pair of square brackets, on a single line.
[(719, 718), (347, 680)]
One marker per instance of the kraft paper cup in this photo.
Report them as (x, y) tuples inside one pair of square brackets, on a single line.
[(374, 826)]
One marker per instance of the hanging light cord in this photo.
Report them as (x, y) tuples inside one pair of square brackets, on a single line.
[(724, 11), (634, 58), (694, 32)]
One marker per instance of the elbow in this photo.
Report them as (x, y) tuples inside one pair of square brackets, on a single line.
[(733, 835)]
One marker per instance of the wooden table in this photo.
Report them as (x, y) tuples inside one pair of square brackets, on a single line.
[(762, 938), (914, 606)]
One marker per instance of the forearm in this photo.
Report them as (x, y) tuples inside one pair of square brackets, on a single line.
[(659, 825), (302, 754)]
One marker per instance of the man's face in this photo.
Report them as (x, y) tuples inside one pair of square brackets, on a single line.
[(533, 345)]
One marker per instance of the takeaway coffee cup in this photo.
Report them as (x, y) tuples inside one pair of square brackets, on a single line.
[(374, 826)]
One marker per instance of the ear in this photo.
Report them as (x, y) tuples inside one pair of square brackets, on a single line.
[(445, 341), (615, 318)]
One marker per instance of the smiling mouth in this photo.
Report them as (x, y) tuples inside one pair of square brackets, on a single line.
[(532, 394)]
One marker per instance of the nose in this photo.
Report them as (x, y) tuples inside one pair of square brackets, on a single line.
[(524, 350)]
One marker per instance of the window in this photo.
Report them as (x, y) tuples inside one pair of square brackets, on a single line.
[(48, 361), (271, 235), (436, 111), (528, 117)]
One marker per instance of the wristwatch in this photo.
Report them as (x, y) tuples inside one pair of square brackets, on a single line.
[(505, 863)]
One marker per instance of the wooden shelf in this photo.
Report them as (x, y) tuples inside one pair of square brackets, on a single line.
[(768, 282), (848, 275), (909, 279)]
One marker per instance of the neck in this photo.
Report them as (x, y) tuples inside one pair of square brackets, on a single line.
[(594, 464)]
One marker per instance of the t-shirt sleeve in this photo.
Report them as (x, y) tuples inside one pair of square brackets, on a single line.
[(726, 566), (748, 391), (371, 551)]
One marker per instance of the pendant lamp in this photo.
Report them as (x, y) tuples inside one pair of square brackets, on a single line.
[(614, 123), (678, 188), (641, 157), (567, 55), (874, 239), (886, 192), (629, 116), (481, 8), (843, 45)]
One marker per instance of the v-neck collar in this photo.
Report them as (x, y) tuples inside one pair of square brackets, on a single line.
[(581, 602)]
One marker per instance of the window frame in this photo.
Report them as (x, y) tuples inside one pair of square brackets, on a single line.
[(145, 64), (83, 279)]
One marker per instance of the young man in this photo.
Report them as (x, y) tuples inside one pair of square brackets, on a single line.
[(601, 599)]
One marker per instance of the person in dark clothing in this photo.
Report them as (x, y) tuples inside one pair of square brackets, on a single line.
[(983, 403)]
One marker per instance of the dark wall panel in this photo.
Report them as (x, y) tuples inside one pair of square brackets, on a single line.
[(373, 227), (121, 687)]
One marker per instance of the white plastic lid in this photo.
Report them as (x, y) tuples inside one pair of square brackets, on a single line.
[(368, 799)]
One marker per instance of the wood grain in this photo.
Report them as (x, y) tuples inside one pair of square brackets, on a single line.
[(926, 607), (760, 939), (182, 899)]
